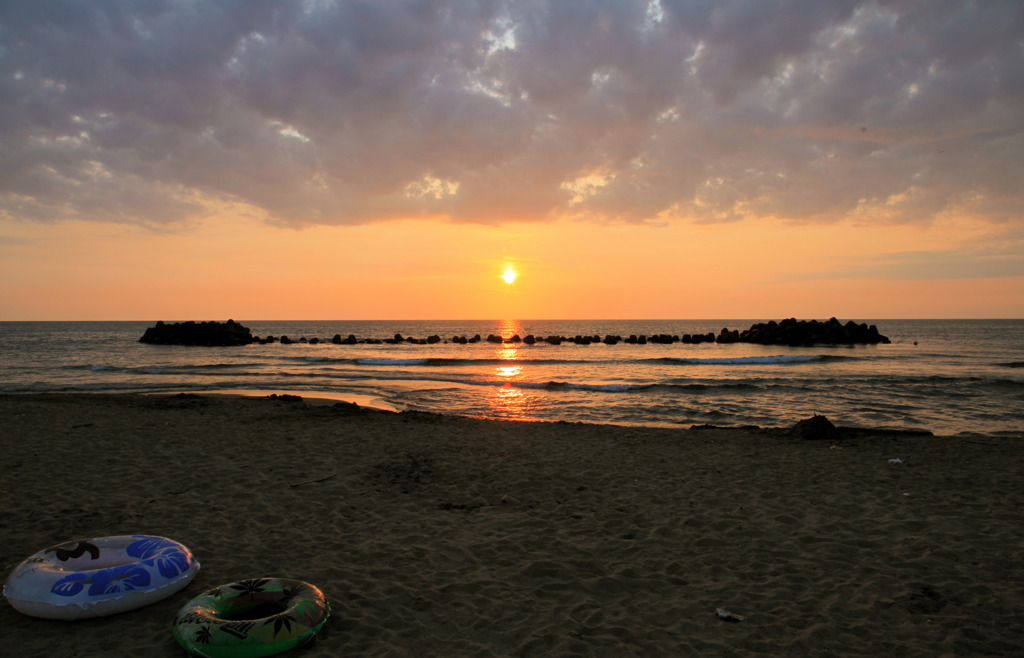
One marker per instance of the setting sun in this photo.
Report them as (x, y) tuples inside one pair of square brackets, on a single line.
[(510, 275)]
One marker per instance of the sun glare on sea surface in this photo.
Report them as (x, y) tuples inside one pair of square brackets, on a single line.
[(510, 275)]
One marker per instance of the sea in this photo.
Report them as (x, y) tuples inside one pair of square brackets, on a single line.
[(949, 377)]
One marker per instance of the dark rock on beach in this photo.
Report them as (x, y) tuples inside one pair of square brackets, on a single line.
[(213, 334), (816, 428)]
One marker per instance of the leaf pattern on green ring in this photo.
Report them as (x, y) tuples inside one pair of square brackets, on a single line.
[(250, 587), (282, 621)]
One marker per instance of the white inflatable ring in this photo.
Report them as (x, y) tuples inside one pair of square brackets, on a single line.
[(99, 577)]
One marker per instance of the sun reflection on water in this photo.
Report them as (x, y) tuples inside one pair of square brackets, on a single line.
[(508, 373), (510, 401)]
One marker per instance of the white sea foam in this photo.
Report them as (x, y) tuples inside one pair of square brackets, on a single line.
[(747, 360), (610, 388), (392, 362)]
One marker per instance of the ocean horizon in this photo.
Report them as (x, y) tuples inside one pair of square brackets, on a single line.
[(943, 376)]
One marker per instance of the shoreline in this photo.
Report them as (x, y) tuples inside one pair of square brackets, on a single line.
[(378, 403), (315, 398), (440, 535)]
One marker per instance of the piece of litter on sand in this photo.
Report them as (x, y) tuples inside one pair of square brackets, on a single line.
[(725, 615), (895, 461)]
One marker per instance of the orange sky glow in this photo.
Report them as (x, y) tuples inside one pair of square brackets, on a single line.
[(642, 159), (418, 269)]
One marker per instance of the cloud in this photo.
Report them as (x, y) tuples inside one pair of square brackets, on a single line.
[(158, 111)]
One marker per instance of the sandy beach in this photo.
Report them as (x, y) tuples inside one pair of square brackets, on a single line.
[(438, 535)]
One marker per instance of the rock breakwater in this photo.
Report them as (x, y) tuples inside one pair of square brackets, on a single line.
[(790, 332)]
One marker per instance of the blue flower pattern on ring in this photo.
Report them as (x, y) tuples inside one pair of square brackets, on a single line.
[(123, 578), (167, 557), (71, 585)]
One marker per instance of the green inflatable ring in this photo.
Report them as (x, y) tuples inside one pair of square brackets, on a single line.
[(251, 618)]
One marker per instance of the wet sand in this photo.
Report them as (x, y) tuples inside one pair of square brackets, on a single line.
[(437, 535)]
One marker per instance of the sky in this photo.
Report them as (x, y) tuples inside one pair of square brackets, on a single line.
[(391, 159)]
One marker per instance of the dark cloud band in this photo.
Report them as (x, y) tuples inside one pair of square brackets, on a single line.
[(349, 112)]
